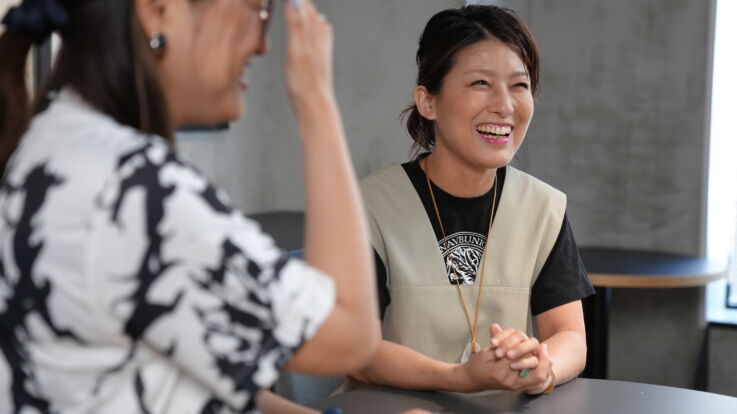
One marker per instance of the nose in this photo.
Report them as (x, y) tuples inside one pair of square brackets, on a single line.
[(501, 102)]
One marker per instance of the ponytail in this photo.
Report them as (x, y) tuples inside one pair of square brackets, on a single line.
[(420, 129), (15, 107), (104, 57), (30, 22)]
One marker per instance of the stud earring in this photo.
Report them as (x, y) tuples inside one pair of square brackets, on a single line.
[(157, 42)]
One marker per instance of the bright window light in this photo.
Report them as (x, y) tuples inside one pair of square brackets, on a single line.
[(722, 198)]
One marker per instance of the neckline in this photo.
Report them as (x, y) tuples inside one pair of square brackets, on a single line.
[(466, 203)]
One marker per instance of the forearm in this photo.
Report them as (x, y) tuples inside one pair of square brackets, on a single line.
[(270, 403), (336, 235), (336, 241), (568, 352), (397, 366), (336, 238)]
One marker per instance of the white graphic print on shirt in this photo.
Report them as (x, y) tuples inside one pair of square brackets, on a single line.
[(462, 253)]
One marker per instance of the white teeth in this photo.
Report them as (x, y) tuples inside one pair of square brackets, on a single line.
[(494, 129)]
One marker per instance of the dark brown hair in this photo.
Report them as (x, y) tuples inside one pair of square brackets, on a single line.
[(104, 57), (445, 35)]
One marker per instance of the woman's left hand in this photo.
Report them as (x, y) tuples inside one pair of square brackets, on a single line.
[(542, 376), (523, 353), (516, 346)]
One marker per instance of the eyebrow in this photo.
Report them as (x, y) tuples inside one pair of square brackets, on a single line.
[(491, 72)]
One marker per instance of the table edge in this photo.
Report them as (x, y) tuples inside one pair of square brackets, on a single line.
[(652, 281)]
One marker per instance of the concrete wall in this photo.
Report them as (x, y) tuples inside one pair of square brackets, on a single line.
[(656, 335), (258, 159), (621, 123), (722, 367)]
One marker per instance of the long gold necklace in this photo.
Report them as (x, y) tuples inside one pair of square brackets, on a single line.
[(473, 347)]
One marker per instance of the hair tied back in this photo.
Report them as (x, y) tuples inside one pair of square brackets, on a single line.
[(36, 18)]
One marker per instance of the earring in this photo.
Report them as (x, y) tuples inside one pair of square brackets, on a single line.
[(157, 42)]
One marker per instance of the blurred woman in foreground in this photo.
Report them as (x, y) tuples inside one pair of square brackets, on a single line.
[(127, 281)]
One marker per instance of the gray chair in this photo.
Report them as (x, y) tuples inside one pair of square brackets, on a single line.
[(304, 389), (286, 227)]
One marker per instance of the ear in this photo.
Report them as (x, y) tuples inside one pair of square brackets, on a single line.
[(150, 14), (425, 102)]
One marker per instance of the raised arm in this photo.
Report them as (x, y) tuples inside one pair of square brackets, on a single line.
[(336, 239)]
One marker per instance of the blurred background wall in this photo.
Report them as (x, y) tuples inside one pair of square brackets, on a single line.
[(622, 121)]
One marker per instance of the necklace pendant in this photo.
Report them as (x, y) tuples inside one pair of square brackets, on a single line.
[(471, 348)]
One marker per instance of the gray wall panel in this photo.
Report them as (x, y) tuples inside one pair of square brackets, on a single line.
[(621, 123)]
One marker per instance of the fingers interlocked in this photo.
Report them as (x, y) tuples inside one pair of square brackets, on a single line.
[(523, 354)]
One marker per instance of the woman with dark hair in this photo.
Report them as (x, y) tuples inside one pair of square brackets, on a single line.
[(127, 281), (466, 244)]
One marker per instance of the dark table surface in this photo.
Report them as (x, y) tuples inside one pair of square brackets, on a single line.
[(626, 268), (585, 396), (637, 268)]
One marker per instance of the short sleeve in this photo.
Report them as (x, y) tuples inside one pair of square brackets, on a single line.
[(382, 291), (563, 278), (175, 268)]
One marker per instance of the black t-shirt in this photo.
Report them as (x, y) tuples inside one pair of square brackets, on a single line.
[(562, 278)]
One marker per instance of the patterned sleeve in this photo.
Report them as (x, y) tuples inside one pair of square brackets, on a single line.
[(175, 268)]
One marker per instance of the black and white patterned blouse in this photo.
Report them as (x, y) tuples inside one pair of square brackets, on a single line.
[(129, 285)]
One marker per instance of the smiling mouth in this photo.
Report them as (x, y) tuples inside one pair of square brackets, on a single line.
[(494, 131)]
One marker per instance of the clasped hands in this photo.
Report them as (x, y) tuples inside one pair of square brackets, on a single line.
[(499, 365)]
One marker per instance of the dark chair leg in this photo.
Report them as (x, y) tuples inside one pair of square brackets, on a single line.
[(596, 316)]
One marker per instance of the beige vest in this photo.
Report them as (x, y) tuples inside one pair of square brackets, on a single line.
[(426, 313)]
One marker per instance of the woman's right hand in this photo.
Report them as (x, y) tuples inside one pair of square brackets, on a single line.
[(309, 55), (484, 371), (499, 365)]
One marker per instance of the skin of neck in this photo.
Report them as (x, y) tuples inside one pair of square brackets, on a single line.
[(455, 176)]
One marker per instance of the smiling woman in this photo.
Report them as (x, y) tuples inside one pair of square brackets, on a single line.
[(459, 316), (480, 114)]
